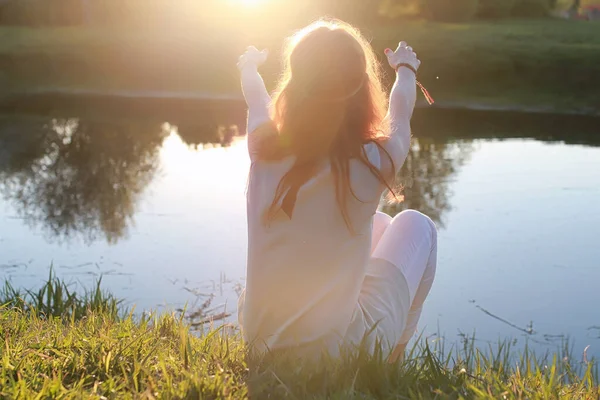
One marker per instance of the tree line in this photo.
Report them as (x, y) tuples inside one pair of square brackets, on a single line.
[(78, 12)]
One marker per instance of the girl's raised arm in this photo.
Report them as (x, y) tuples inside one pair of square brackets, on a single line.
[(253, 87), (402, 104)]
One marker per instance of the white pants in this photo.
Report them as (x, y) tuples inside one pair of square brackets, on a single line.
[(398, 279)]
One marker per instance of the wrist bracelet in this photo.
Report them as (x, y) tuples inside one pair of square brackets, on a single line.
[(425, 92), (407, 65)]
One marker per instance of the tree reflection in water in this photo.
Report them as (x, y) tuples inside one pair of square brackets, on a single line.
[(78, 177), (199, 136), (427, 174)]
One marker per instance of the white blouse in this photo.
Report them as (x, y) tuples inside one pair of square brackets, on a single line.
[(304, 274)]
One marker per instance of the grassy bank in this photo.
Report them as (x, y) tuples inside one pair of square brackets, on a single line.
[(535, 63), (102, 354)]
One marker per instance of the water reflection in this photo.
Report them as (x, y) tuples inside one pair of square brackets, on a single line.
[(505, 125), (75, 177), (427, 174), (198, 135), (84, 177)]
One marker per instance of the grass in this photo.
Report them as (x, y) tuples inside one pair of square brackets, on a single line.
[(56, 298), (545, 63), (105, 355)]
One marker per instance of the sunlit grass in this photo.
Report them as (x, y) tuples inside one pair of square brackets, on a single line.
[(56, 298), (109, 355), (544, 63)]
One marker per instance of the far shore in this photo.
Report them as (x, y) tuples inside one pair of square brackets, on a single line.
[(545, 66), (20, 99)]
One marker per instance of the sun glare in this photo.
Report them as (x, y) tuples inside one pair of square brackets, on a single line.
[(251, 3)]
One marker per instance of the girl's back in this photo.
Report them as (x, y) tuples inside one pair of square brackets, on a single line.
[(313, 255)]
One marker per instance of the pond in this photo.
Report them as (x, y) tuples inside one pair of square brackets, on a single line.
[(155, 205)]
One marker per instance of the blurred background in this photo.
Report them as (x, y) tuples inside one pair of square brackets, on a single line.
[(539, 53)]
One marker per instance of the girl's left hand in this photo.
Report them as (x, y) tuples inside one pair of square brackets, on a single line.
[(252, 56)]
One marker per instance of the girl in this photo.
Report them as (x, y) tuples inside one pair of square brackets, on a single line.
[(325, 269)]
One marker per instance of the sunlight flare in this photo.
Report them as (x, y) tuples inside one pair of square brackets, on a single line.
[(251, 3)]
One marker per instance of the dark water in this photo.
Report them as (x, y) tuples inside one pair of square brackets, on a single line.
[(156, 206)]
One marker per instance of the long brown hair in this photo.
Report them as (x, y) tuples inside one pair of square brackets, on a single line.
[(329, 103)]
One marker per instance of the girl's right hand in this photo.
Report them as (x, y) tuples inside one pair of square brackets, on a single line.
[(403, 54), (252, 56)]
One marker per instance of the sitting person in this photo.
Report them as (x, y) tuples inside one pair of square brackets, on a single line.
[(325, 268)]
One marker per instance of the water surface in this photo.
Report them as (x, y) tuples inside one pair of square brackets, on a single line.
[(156, 206)]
